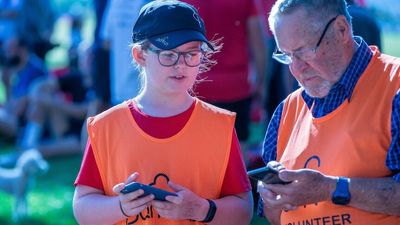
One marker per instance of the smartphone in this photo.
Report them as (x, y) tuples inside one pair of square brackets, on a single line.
[(158, 193), (267, 175)]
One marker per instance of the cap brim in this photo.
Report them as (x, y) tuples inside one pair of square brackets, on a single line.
[(174, 39)]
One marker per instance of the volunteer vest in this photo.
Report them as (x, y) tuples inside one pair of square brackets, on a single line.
[(351, 141), (196, 157)]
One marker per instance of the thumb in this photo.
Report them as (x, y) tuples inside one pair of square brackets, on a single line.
[(175, 187), (118, 187)]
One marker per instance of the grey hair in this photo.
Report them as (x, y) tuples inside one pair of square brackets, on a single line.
[(317, 9)]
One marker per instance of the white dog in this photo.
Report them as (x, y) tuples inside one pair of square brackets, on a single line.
[(16, 181)]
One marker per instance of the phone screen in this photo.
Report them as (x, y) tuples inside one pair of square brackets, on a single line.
[(266, 175), (159, 194)]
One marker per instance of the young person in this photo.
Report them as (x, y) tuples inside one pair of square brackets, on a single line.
[(165, 137)]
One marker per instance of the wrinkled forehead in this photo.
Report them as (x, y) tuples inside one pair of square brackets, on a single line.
[(295, 30)]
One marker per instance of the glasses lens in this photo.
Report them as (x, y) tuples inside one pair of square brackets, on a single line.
[(282, 58), (168, 58), (193, 58)]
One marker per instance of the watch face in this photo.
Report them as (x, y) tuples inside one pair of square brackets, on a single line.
[(341, 196)]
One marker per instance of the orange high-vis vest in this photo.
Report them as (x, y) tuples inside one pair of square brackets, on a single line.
[(196, 157), (351, 141)]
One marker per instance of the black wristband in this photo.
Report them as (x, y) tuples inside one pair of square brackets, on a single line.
[(211, 212)]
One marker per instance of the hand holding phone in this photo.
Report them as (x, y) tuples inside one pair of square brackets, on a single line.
[(158, 193), (268, 174)]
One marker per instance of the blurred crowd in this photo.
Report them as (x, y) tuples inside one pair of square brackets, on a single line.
[(46, 109)]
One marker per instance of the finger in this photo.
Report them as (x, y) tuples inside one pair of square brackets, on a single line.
[(290, 175), (265, 193), (268, 198), (161, 205), (175, 187), (271, 200), (118, 187), (132, 195), (275, 188), (140, 201), (288, 207), (137, 210), (132, 177), (174, 199), (260, 185)]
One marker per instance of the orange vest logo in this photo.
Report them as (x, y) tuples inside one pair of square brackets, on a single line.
[(149, 213)]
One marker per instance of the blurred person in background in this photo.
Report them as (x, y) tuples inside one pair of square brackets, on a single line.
[(113, 70), (117, 22), (10, 11), (57, 109), (59, 104), (100, 65), (364, 24), (236, 83), (20, 70), (279, 82), (9, 14), (36, 22)]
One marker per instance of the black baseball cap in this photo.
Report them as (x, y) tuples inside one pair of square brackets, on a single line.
[(168, 24)]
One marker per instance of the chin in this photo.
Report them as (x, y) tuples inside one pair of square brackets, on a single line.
[(317, 93)]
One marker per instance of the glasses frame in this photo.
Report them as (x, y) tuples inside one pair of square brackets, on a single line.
[(305, 54), (184, 54)]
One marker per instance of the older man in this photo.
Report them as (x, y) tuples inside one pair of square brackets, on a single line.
[(338, 135)]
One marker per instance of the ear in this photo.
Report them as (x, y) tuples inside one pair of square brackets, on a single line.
[(343, 29), (139, 55)]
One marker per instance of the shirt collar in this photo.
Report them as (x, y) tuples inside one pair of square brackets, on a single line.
[(356, 68)]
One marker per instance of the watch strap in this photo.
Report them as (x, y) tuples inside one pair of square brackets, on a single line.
[(342, 196), (211, 211)]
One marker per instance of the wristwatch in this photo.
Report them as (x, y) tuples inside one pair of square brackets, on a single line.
[(342, 195)]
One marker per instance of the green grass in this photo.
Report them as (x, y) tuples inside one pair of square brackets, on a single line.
[(391, 44), (50, 199), (2, 93)]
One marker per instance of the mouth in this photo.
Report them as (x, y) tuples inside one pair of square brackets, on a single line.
[(309, 78), (178, 77)]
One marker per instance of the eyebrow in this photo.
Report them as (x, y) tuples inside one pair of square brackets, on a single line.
[(295, 50)]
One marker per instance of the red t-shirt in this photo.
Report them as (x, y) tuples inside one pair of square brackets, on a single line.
[(266, 6), (235, 181), (228, 80)]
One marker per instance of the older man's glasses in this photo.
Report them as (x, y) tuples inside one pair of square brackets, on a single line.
[(169, 58), (303, 54)]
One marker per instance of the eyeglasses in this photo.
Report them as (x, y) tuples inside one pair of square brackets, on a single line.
[(169, 58), (304, 54)]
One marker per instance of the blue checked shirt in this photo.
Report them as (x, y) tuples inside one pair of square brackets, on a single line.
[(339, 93)]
